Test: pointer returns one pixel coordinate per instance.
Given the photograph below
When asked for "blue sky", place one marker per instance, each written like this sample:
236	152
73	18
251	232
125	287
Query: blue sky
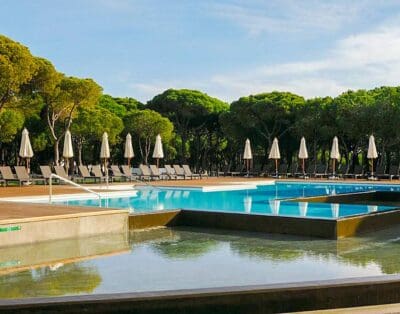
226	48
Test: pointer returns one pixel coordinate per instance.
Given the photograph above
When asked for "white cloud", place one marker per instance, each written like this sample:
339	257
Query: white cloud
363	60
358	61
287	15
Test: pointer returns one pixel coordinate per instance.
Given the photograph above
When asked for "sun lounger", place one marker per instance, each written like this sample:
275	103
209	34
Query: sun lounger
380	173
7	175
180	172
188	173
60	171
46	173
321	171
342	171
171	173
23	175
358	172
146	174
116	172
155	172
307	173
394	172
127	172
282	170
96	170
85	174
293	170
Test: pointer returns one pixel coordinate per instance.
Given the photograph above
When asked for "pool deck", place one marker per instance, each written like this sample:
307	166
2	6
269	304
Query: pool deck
21	212
374	309
35	190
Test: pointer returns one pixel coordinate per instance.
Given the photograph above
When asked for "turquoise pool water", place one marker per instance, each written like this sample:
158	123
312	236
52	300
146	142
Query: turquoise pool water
264	199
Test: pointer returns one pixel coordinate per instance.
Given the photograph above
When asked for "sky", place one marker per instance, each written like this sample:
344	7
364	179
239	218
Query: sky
225	48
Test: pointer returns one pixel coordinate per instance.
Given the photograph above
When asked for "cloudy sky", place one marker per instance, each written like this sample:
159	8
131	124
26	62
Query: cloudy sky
226	48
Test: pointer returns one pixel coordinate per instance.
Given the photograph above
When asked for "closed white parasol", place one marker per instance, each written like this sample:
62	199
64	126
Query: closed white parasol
275	154
247	155
105	153
128	152
372	153
68	151
158	152
25	150
303	153
335	154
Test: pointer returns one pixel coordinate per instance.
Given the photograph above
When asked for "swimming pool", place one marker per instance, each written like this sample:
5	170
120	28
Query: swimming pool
271	199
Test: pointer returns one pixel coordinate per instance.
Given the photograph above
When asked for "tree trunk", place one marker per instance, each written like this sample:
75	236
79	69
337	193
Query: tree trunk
80	146
56	152
184	138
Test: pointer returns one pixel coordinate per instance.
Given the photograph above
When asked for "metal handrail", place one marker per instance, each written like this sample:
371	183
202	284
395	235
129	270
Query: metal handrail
55	176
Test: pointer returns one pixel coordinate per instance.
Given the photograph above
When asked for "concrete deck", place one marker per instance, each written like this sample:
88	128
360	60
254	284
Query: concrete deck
22	212
375	309
64	189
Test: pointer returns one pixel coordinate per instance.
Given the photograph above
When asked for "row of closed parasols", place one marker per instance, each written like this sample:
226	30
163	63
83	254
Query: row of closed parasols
303	153
26	151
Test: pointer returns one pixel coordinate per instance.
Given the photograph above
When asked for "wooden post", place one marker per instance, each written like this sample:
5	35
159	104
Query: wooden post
372	167
66	164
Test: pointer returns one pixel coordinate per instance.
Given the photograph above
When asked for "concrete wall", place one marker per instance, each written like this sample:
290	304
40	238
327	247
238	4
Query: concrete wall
259	223
59	227
245	299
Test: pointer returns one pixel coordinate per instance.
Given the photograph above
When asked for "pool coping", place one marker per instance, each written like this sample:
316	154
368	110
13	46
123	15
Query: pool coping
65	197
268	298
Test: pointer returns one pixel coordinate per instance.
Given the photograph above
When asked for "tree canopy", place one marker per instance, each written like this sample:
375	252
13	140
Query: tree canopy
144	126
196	128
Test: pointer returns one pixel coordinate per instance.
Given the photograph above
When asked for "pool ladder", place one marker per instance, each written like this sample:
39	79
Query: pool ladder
55	176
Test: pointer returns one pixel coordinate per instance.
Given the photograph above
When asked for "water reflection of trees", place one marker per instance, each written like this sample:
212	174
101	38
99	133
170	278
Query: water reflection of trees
185	248
257	248
67	279
382	249
177	243
386	255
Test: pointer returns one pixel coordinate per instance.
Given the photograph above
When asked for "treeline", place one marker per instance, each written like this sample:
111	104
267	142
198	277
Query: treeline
203	131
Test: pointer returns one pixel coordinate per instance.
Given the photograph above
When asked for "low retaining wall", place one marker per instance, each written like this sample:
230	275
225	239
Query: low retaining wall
243	299
322	228
313	227
23	231
370	198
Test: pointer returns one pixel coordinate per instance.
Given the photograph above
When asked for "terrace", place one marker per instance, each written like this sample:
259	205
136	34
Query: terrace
97	236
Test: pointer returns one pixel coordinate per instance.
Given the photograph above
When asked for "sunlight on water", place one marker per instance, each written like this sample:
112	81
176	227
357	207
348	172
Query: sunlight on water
267	200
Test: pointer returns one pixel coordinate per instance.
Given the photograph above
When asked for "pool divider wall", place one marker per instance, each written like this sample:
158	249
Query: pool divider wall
277	298
153	219
235	221
258	223
370	198
353	226
321	228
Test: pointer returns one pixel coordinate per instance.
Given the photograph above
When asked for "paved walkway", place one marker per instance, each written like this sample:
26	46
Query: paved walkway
65	189
375	309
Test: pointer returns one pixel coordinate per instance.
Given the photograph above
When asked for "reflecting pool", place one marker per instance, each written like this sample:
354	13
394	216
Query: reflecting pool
182	258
